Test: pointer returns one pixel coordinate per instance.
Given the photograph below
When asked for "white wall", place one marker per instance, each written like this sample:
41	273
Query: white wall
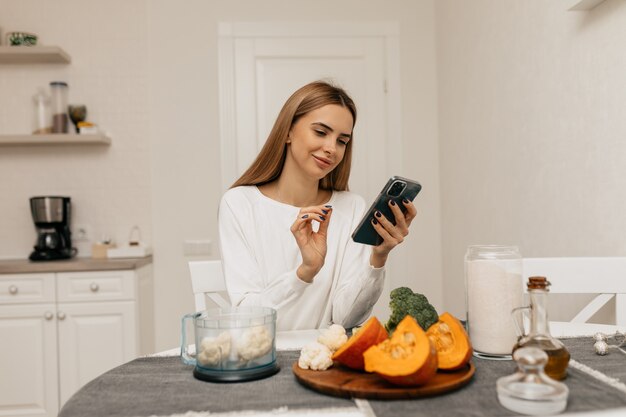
147	71
532	100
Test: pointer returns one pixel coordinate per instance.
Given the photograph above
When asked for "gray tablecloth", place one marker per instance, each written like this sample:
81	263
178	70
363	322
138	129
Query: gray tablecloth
613	365
165	386
162	386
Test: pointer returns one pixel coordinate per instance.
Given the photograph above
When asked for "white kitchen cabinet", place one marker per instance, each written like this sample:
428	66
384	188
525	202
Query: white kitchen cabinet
60	330
28	360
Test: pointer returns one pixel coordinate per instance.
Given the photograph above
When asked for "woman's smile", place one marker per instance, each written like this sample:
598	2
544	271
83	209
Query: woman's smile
322	162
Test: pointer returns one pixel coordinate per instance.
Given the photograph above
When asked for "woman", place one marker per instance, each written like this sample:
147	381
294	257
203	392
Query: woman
285	225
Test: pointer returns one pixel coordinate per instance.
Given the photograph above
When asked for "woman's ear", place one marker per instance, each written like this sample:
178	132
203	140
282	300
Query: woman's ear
288	138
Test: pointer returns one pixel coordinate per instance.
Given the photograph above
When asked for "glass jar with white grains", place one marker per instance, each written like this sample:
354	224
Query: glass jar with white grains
493	288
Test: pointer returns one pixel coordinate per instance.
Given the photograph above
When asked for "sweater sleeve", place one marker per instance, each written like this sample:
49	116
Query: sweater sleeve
360	284
245	282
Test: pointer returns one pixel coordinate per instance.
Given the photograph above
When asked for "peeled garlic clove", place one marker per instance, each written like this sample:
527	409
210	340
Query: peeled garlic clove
601	347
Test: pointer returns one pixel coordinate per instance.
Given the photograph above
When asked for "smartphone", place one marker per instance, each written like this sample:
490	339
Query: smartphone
396	189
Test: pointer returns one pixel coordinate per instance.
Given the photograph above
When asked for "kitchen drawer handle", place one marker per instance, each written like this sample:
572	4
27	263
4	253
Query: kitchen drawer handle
94	287
48	315
61	315
13	289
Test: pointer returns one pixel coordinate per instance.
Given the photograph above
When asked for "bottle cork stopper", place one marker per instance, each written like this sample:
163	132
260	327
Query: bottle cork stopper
538	283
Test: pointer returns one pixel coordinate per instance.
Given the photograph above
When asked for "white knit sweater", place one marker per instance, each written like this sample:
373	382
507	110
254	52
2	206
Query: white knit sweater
260	257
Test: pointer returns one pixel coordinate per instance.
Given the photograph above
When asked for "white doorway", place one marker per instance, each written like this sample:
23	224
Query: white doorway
261	64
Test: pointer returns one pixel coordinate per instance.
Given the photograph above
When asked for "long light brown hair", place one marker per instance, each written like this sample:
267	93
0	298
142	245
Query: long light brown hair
270	161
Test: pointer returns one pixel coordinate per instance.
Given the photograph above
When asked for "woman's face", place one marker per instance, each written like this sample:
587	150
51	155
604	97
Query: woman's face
318	140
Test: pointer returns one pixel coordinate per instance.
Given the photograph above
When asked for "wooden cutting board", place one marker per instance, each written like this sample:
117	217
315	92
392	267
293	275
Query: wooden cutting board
340	381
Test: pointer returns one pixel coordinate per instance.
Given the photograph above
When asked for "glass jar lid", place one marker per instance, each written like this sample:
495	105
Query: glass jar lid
529	390
493	252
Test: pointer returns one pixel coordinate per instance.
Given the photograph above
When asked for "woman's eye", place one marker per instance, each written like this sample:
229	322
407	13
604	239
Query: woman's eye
320	133
342	141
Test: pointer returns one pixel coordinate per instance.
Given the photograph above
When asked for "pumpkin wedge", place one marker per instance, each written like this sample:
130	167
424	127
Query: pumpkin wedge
350	353
454	349
408	358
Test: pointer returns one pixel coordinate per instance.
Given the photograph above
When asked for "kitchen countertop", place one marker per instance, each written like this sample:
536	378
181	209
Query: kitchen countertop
24	266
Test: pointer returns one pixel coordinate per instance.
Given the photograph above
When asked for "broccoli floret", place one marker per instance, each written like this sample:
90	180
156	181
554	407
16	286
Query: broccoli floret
405	302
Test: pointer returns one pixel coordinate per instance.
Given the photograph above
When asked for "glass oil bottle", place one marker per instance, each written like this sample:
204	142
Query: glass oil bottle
539	332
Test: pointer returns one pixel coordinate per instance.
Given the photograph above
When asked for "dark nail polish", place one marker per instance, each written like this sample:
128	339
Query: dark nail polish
322	217
325	211
378	214
393	203
329	206
374	221
405	201
306	216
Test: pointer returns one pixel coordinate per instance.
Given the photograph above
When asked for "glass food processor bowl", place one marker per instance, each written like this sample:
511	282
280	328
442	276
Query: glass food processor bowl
232	344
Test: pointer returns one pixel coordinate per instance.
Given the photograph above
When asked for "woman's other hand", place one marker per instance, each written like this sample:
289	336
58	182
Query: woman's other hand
312	244
392	235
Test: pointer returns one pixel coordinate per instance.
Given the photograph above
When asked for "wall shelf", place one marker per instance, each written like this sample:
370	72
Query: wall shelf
33	55
55	140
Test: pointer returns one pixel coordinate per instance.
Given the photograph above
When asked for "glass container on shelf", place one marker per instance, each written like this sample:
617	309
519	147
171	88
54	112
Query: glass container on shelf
538	334
60	118
42	119
494	287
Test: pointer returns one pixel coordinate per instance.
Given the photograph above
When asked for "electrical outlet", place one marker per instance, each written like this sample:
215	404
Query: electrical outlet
82	232
197	247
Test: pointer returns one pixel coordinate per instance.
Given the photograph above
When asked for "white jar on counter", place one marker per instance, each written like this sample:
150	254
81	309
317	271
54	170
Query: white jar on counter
493	288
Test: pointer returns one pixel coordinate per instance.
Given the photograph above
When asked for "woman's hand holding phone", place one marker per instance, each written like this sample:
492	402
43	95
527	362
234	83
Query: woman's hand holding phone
312	244
392	234
386	223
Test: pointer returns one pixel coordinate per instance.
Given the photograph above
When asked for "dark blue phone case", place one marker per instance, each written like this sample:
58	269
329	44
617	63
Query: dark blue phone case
365	232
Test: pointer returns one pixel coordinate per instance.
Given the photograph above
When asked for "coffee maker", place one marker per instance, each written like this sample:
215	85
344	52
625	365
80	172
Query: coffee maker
52	221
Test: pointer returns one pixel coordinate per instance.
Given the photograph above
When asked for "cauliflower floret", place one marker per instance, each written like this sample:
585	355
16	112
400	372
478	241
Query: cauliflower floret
315	356
333	337
213	350
254	343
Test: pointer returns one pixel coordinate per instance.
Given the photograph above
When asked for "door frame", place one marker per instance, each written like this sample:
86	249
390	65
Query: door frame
229	32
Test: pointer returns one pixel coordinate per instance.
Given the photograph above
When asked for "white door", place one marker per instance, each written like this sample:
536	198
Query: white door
93	338
28	361
269	70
